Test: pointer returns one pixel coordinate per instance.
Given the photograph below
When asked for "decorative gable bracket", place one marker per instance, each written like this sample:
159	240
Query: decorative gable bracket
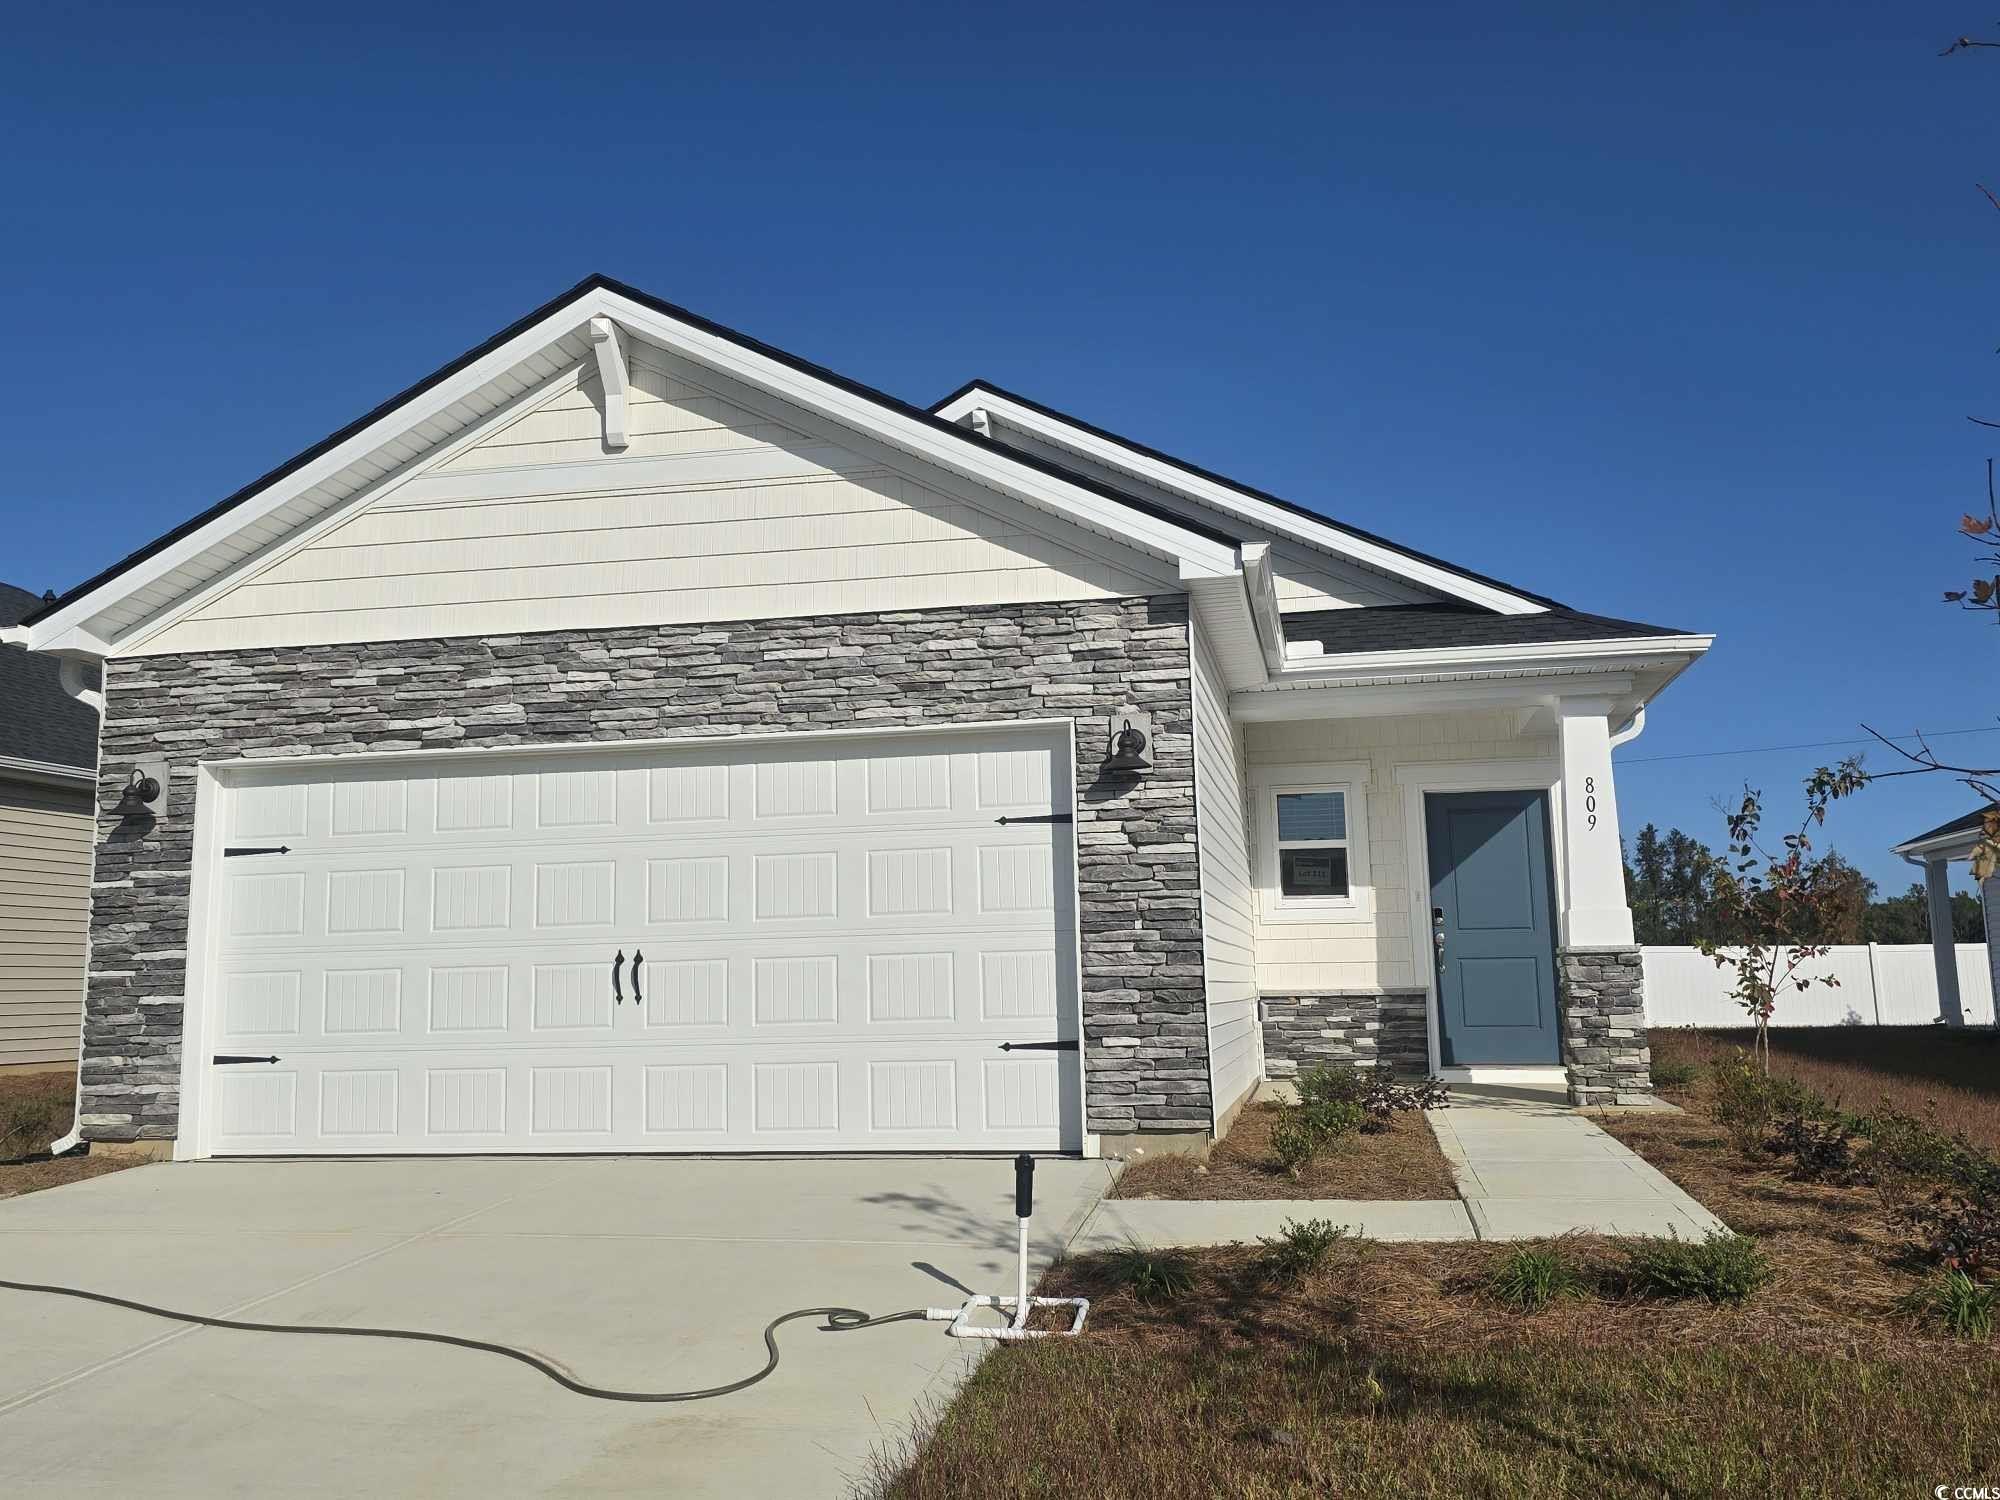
612	376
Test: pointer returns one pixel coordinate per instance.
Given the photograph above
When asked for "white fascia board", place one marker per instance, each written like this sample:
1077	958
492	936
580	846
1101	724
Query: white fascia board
1387	699
440	398
997	469
46	771
1548	656
1946	846
1327	536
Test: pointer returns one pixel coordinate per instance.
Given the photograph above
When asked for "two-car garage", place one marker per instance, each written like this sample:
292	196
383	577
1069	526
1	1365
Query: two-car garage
840	942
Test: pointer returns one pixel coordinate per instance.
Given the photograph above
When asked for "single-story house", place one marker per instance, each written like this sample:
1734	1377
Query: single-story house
48	767
633	737
1936	851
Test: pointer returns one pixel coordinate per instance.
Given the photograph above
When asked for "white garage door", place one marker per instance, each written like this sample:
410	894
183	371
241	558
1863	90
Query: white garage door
801	945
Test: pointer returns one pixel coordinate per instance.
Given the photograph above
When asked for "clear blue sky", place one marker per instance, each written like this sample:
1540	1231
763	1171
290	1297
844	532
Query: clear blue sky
1672	313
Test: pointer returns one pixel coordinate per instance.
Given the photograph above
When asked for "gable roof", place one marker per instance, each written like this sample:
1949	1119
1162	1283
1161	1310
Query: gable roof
421	428
39	721
1306	524
1414	627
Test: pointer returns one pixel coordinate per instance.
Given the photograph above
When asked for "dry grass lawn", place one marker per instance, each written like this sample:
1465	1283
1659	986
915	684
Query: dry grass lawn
1393	1372
1948	1077
36	1108
1402	1162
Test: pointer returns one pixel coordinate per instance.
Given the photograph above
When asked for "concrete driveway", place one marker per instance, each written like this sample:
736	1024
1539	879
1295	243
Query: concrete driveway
645	1274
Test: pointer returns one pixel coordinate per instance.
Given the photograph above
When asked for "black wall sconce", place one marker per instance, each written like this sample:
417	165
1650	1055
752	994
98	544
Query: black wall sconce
140	793
1129	742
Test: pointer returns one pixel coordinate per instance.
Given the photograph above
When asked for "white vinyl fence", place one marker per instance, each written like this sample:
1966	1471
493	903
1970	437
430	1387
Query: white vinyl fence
1881	984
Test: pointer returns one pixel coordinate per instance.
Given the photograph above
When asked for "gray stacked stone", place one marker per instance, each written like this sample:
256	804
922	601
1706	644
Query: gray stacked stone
1603	1006
1145	1032
1362	1028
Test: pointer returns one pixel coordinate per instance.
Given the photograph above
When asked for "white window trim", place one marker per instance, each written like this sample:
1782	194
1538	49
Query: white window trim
1347	777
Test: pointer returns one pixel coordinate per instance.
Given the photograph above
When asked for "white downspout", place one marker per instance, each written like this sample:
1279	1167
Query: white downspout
76	682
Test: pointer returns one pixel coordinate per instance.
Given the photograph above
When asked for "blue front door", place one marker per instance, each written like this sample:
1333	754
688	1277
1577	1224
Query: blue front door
1493	939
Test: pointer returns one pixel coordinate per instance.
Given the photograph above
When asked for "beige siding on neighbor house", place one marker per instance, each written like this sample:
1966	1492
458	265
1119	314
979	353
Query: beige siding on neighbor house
1293	957
45	837
715	512
1228	941
1307	578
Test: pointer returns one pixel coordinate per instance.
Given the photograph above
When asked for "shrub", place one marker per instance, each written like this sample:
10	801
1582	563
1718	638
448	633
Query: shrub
1820	1150
1904	1146
1531	1277
1675	1075
1293	1141
32	1115
1331	1083
1724	1267
1960	1304
1152	1275
1957	1228
1376	1093
1748	1101
1326	1111
1300	1249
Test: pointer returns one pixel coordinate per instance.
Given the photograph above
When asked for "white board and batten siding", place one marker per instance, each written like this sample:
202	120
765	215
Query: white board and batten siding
1228	905
45	859
716	511
1883	984
837	937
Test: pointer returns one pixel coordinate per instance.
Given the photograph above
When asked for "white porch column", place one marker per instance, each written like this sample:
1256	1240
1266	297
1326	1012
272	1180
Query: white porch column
1594	913
1944	948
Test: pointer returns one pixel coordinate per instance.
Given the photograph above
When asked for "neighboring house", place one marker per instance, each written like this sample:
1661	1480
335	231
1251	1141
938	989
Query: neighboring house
633	737
1937	851
48	769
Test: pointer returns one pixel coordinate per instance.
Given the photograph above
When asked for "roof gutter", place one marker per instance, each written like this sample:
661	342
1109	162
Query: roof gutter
1370	666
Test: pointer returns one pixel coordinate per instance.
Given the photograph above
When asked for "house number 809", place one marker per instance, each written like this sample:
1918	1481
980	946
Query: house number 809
1590	801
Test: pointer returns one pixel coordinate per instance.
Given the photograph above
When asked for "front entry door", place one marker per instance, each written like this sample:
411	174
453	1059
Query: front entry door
1492	933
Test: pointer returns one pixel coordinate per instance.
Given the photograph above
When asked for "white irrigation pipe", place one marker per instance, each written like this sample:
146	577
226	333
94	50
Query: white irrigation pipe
1022	1305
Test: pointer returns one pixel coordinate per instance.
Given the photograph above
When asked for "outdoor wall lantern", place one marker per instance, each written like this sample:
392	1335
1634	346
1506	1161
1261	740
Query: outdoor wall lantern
1128	746
141	791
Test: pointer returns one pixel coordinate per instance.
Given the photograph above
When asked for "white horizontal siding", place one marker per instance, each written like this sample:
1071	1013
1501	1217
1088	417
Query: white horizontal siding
44	913
1293	957
1228	911
1306	577
725	514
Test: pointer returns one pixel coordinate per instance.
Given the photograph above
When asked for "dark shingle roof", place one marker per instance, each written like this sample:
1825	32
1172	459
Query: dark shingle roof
1416	627
38	720
1963	824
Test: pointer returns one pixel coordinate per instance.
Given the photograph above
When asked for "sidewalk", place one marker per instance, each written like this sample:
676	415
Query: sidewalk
1527	1165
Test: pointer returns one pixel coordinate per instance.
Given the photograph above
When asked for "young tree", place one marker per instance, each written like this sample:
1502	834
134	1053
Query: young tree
1781	903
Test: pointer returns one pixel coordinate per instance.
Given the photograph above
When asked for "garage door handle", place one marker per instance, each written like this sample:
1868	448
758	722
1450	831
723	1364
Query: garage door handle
1069	1046
638	959
617	963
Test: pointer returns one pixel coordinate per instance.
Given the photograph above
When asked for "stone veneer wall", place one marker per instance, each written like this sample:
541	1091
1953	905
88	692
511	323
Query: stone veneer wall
1145	1032
1603	1002
1364	1028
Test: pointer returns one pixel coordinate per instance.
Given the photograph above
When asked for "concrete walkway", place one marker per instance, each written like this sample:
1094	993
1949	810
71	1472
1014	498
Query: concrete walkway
1527	1165
1530	1166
